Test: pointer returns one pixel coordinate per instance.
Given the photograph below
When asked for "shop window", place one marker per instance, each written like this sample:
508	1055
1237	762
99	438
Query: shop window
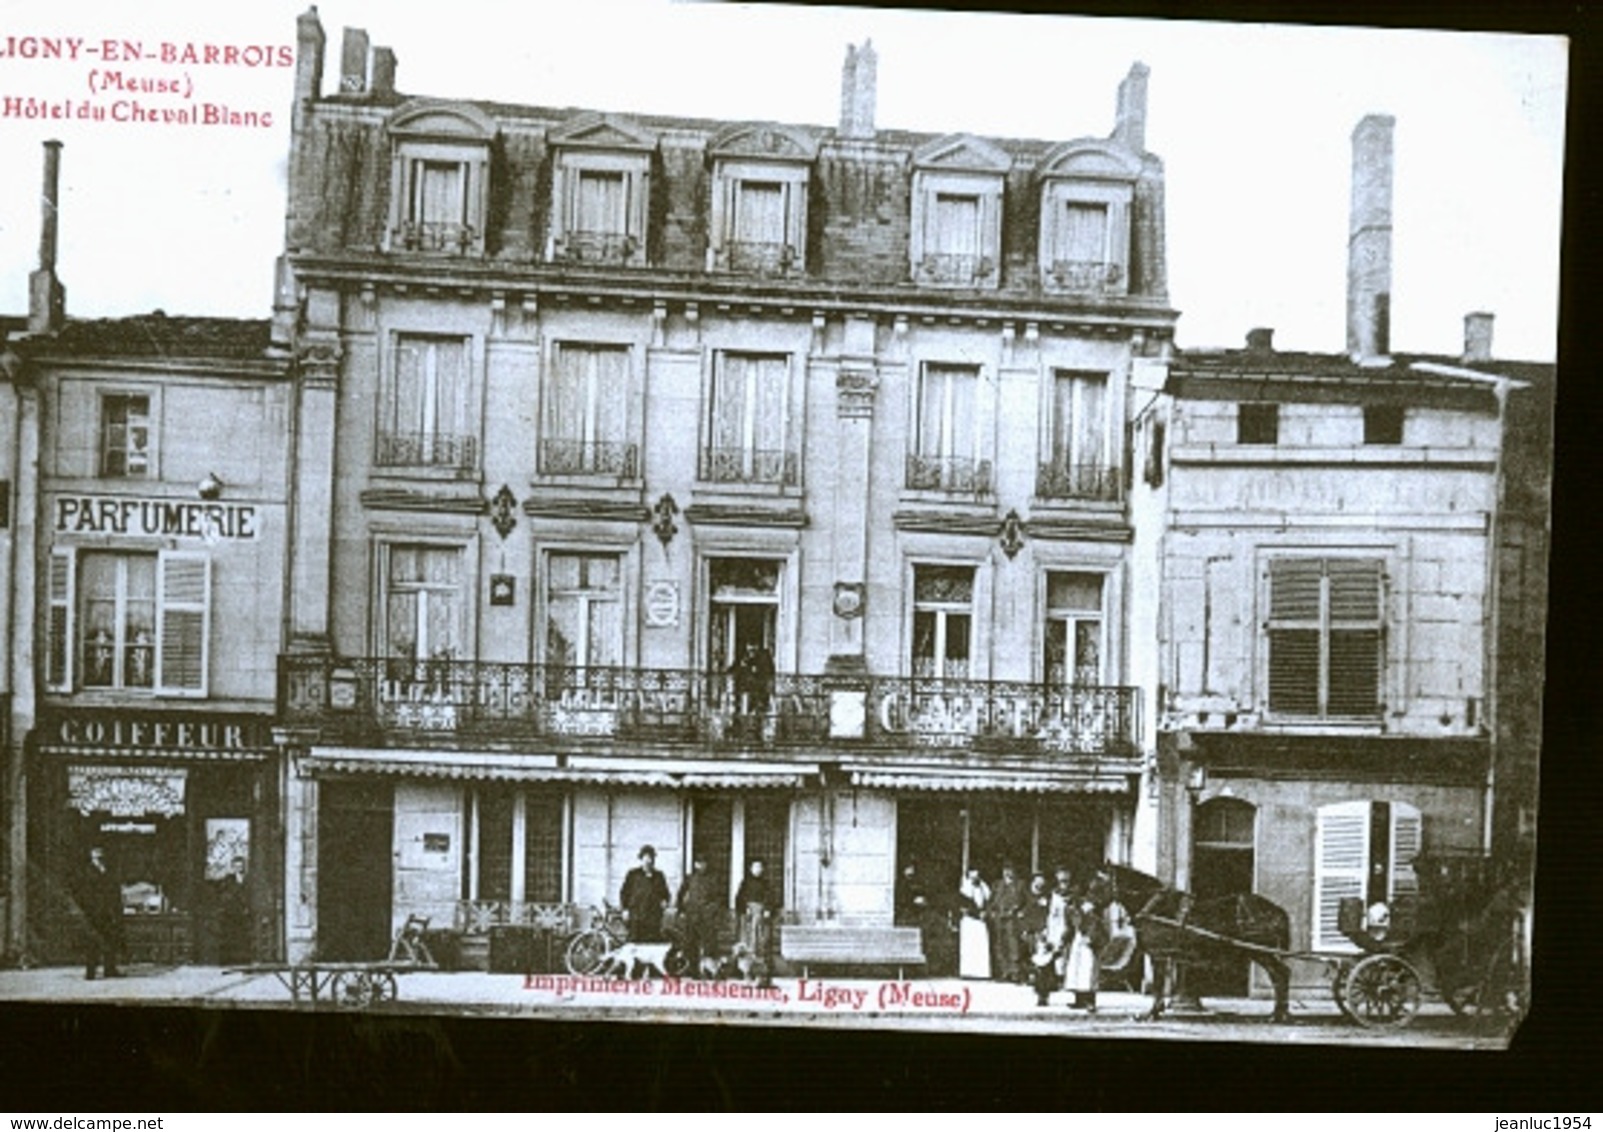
943	622
1365	851
1074	626
747	426
1078	461
125	436
424	418
1257	422
945	441
1325	637
587	413
138	622
583	611
422	603
1383	424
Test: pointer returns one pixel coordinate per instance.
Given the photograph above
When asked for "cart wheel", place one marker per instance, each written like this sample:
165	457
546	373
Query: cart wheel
585	952
353	990
384	988
1382	990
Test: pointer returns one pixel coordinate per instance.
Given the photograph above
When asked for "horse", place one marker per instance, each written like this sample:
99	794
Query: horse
1175	927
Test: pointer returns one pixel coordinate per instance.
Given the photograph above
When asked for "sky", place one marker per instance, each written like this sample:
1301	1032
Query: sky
1253	123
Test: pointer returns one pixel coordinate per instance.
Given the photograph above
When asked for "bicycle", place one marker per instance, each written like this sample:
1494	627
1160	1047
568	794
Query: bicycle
589	952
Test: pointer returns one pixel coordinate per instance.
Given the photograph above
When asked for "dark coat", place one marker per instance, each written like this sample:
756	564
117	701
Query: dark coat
100	896
644	897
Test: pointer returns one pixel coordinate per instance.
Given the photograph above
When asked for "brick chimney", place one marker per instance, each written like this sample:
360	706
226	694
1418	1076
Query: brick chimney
1130	118
383	81
47	298
353	62
1369	240
309	46
857	87
1261	340
1478	336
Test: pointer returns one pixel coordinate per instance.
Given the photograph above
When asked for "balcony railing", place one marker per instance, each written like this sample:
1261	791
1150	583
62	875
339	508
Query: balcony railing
427	450
435	236
1092	276
1078	481
760	257
596	247
377	700
748	465
946	267
957	474
589	458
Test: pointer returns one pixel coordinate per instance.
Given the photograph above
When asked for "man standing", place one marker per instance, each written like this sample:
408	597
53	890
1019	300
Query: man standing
1007	905
233	915
100	899
756	902
645	898
701	908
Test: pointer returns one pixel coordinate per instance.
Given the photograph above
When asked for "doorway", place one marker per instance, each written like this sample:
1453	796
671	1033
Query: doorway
355	869
1223	863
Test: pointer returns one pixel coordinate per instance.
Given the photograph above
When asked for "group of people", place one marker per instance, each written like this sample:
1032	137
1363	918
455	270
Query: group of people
701	909
1050	937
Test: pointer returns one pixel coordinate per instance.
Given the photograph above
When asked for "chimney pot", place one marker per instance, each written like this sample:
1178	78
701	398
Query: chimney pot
1478	336
353	61
1261	340
857	91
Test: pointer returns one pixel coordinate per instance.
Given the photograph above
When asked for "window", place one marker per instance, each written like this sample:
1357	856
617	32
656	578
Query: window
747	426
1078	463
1325	637
1257	423
587	409
1383	424
600	208
584	611
125	436
1364	851
945	433
129	621
423	423
743	610
958	244
943	621
759	222
1086	238
423	603
518	837
955	227
439	181
1073	629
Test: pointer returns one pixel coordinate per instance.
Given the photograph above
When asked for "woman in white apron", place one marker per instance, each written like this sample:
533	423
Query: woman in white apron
973	934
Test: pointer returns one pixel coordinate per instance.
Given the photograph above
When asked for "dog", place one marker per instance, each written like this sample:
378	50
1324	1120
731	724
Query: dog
628	960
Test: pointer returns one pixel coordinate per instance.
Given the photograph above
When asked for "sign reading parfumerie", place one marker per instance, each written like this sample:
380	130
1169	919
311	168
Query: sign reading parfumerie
170	518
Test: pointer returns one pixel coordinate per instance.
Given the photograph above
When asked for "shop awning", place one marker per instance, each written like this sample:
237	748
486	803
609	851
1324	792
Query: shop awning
1015	782
499	766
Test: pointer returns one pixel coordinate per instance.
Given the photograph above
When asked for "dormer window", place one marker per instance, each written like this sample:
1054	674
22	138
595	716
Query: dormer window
439	185
956	228
759	200
1086	193
600	188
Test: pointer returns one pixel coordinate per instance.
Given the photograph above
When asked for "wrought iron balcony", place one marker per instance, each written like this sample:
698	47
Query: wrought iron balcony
1078	481
596	247
401	701
956	474
945	267
759	257
1092	276
748	465
435	236
427	450
589	458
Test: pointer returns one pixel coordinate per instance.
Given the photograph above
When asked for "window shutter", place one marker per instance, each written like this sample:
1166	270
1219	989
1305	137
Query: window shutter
1406	840
58	666
1355	637
183	617
1341	867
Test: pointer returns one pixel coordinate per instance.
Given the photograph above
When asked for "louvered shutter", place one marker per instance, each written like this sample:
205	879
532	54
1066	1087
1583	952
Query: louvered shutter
1341	867
1294	605
59	629
183	616
1406	841
1355	637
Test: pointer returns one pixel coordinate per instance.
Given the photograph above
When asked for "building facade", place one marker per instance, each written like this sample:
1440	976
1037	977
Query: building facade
749	490
144	607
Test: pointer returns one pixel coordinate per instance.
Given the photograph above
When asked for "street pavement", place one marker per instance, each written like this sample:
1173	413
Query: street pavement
855	1003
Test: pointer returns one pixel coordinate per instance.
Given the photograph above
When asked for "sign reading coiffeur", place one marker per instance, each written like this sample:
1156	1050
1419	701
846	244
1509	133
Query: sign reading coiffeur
170	518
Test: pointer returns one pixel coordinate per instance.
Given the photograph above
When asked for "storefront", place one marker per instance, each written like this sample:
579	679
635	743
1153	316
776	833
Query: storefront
185	806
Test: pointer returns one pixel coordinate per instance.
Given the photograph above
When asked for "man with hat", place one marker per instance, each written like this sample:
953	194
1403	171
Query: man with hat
645	898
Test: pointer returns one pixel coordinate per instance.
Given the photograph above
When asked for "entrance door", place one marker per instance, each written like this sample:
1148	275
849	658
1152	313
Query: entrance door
355	869
1222	864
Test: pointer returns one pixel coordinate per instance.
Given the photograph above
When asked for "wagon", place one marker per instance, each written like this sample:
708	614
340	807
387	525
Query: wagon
352	985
